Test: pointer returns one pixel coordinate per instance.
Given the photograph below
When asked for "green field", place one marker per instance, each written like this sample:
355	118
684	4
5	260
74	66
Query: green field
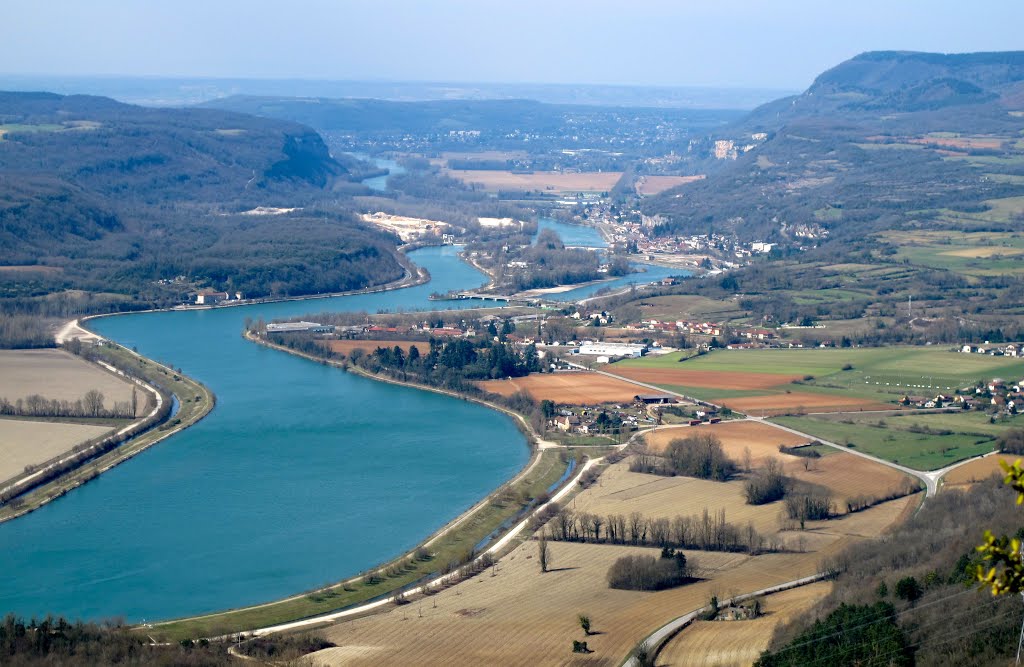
894	440
917	365
11	128
882	374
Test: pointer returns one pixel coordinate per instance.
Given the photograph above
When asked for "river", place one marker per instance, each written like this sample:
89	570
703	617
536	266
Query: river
301	475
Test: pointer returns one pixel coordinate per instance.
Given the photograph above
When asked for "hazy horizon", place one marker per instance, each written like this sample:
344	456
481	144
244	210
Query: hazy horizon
730	44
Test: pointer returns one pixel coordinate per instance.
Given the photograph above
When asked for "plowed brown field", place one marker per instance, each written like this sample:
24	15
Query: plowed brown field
705	379
550	181
776	404
977	470
763	439
845	474
569	388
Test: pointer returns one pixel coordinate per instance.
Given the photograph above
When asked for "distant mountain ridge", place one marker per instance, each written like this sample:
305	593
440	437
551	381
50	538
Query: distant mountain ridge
826	149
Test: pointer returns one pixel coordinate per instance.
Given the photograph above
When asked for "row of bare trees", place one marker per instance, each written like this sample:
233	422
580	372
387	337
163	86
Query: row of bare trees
92	404
705	531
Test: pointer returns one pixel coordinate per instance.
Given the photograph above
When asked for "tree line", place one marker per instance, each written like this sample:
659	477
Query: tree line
92	404
705	531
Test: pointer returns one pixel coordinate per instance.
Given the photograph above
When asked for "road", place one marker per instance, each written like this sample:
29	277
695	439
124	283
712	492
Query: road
657	639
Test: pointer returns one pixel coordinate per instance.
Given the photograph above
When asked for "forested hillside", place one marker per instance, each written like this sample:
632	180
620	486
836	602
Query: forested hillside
882	141
151	204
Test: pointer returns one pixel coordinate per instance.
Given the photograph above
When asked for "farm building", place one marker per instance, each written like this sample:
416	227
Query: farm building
613	349
209	297
299	327
654	399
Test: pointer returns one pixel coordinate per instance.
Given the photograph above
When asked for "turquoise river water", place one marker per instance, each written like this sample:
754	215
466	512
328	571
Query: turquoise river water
302	474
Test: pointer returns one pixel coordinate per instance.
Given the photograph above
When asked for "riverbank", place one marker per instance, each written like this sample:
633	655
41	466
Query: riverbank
414	275
454	545
194	402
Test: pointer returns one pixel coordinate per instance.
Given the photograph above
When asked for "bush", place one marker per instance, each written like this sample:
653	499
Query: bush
812	505
647	573
1012	441
700	456
767	485
908	589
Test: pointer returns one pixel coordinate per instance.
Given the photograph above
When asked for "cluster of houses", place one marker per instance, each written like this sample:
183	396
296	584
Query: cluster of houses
996	395
703	329
1009	350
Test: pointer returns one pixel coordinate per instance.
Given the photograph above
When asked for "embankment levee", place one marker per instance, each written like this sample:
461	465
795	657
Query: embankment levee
55	478
68	472
280	615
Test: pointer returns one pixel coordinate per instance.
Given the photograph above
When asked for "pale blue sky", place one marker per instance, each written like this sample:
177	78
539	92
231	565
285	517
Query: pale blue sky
731	43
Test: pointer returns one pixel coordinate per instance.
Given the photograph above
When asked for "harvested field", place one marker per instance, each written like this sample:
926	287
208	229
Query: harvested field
547	181
762	439
24	442
846	475
709	379
776	404
518	616
55	374
346	346
655	497
964	143
727	643
977	470
984	252
574	388
528	618
652	185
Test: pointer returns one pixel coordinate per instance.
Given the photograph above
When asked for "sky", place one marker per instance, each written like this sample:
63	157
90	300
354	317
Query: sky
780	44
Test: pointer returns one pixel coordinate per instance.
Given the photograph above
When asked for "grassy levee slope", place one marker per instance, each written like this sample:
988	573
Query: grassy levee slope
448	547
195	402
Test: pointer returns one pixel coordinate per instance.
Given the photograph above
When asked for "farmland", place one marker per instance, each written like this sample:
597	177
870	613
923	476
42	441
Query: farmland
514	609
873	376
902	441
567	388
24	442
977	470
721	643
968	253
55	374
543	181
846	475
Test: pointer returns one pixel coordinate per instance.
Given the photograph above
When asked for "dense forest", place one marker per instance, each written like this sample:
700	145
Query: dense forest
139	207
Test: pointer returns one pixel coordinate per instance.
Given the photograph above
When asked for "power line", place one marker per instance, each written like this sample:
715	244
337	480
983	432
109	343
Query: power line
864	625
944	619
